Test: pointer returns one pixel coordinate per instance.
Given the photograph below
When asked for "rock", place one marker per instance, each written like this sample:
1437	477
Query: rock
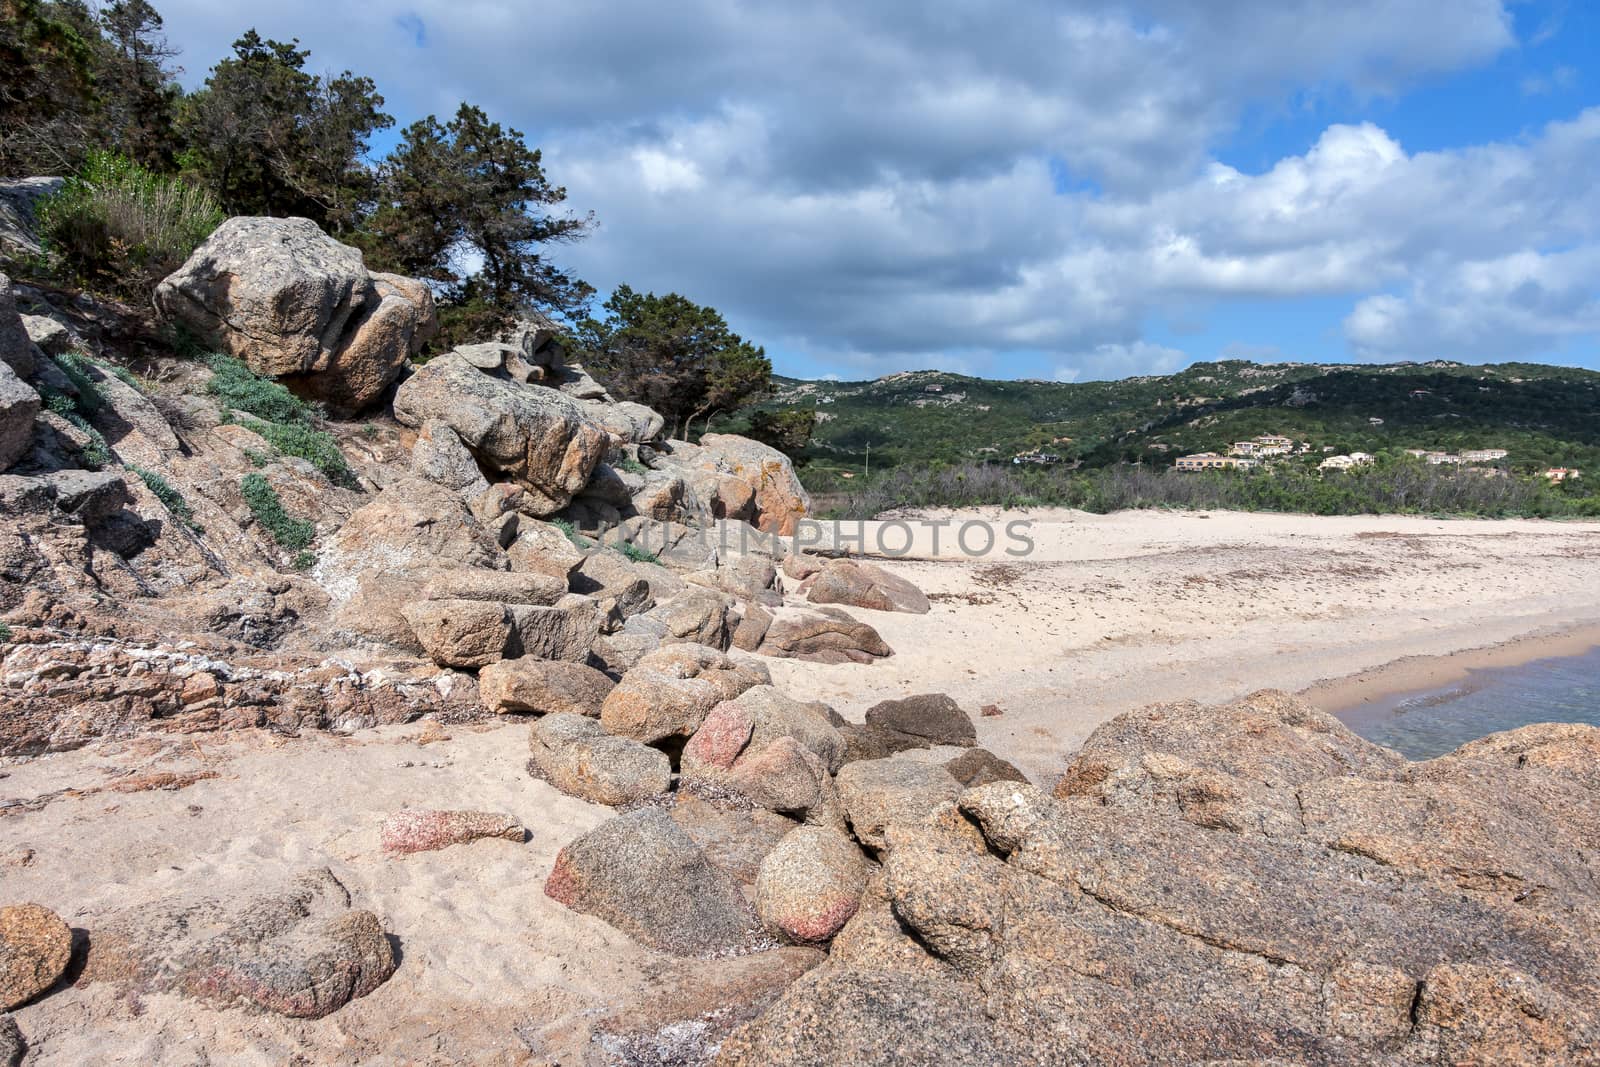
53	338
35	947
566	630
839	1015
544	686
862	585
293	303
16	346
373	564
19	406
505	587
669	691
18	224
931	718
877	794
788	778
420	830
461	633
673	544
441	458
537	436
643	874
541	548
299	951
662	498
89	496
684	1016
810	885
799	566
979	766
608	570
742	727
821	635
780	501
735	837
696	617
13	1048
574	753
627	422
752	628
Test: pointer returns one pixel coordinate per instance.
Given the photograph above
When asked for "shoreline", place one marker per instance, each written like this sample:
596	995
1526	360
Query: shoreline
1349	694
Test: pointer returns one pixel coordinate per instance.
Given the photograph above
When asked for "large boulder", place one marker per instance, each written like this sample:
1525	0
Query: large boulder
19	406
546	687
810	884
35	947
295	304
298	950
821	635
929	718
779	498
669	691
741	728
575	754
863	585
475	633
643	874
535	435
441	458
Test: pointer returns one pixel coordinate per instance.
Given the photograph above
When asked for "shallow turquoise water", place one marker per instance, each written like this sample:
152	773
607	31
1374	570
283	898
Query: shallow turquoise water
1425	724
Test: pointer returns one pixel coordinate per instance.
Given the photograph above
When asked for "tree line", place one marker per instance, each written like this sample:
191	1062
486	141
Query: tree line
462	202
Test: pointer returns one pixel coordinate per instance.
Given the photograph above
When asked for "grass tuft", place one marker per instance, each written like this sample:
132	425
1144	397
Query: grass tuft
290	533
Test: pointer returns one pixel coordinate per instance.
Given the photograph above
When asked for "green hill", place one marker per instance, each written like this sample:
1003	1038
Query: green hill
1543	415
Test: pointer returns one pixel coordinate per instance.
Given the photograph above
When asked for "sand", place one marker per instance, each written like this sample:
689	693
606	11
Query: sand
1112	612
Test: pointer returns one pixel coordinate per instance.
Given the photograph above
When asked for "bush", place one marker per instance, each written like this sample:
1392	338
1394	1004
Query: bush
315	446
168	495
239	388
76	370
95	454
290	533
124	227
5	632
637	554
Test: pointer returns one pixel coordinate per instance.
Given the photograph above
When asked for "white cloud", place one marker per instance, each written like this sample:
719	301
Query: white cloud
879	184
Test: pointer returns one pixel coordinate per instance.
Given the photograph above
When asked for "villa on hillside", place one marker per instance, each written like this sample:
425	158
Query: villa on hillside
1263	445
1562	474
1342	463
1210	461
1483	455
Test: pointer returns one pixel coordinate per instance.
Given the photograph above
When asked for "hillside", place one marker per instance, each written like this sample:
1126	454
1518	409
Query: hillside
1543	415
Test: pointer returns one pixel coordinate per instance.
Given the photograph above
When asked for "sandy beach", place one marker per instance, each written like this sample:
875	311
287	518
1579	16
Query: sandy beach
1113	612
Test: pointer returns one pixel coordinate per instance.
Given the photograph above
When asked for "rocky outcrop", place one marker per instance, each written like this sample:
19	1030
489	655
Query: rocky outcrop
300	951
777	499
35	947
423	830
862	585
17	349
1237	884
295	304
884	793
535	435
644	874
474	633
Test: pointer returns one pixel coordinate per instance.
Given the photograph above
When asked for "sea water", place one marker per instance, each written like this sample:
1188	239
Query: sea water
1429	723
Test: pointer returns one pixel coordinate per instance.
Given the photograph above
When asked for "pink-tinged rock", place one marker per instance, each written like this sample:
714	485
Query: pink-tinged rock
423	830
720	738
811	884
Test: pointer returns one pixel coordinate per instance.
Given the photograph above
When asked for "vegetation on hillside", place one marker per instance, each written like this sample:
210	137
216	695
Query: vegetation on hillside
674	355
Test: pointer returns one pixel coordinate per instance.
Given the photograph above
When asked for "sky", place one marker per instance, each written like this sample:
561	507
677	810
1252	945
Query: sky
1051	190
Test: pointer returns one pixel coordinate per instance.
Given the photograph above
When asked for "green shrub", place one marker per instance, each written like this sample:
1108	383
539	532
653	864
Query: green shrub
76	370
631	465
303	560
637	554
315	446
168	495
290	533
96	453
571	532
5	632
118	225
239	388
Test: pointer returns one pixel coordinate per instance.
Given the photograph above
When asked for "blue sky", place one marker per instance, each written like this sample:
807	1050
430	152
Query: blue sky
1031	188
